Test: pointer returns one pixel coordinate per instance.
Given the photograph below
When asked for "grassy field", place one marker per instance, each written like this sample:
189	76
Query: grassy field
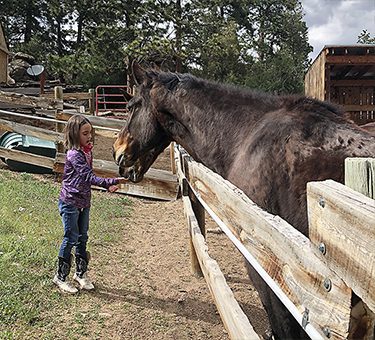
30	235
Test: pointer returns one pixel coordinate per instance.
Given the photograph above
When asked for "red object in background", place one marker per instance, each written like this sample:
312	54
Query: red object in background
42	80
102	102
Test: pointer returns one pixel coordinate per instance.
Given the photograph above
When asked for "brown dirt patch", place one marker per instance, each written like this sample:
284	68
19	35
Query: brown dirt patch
146	286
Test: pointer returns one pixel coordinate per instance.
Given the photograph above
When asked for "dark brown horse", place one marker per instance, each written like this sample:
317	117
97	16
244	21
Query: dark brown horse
268	146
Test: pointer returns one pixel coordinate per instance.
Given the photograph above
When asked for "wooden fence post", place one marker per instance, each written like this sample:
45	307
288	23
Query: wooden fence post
59	109
199	214
171	153
92	101
360	176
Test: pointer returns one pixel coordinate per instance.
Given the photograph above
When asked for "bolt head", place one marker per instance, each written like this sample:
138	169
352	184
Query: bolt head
322	248
327	332
327	284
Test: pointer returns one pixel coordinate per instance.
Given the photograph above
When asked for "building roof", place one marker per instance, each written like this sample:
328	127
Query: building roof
357	49
348	61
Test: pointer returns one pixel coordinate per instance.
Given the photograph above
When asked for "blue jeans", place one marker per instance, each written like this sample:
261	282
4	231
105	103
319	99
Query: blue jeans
76	226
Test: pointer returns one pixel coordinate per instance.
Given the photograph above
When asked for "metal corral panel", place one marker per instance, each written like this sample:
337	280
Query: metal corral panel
11	140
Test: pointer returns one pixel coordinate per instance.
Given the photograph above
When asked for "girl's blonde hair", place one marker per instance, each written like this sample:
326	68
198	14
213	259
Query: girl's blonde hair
71	132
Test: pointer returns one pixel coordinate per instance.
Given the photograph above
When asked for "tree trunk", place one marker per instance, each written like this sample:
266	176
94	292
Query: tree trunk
178	36
29	21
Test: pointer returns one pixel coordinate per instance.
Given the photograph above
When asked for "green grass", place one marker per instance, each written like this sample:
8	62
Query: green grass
30	236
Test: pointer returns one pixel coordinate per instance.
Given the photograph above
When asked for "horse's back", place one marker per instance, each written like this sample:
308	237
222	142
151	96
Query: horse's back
285	150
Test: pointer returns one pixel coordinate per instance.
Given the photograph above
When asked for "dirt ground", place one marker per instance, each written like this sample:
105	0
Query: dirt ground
158	242
164	299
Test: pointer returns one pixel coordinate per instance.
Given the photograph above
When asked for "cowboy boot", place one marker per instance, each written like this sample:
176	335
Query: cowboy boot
60	278
81	273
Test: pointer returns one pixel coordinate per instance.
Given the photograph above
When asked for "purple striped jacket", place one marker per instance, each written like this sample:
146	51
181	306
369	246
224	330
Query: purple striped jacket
78	178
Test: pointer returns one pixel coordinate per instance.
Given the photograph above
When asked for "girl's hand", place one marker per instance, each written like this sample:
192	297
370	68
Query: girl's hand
113	188
122	180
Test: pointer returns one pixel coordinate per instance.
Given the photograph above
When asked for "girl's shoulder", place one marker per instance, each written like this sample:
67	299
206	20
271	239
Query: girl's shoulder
74	153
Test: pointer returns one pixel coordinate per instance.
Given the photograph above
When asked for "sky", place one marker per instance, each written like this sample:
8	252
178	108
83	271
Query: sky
337	22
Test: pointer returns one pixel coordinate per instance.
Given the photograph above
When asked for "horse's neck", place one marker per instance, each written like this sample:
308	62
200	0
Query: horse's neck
209	139
212	121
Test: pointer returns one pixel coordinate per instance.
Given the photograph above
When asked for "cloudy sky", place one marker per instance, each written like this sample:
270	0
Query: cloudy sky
337	22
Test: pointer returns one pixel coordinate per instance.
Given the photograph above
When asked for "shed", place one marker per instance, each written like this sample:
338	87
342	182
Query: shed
345	75
4	54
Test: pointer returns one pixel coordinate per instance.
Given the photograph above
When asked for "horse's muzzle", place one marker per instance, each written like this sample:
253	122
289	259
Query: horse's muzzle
131	174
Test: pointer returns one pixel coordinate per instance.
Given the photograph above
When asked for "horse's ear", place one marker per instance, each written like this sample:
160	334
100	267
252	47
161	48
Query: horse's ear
139	74
126	94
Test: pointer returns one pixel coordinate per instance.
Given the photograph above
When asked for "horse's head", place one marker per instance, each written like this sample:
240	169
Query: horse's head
142	139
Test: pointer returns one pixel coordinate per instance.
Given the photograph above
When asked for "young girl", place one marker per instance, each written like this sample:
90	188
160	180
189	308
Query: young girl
74	202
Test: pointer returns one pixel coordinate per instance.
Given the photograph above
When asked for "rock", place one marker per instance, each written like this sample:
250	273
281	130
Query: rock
10	80
17	69
26	57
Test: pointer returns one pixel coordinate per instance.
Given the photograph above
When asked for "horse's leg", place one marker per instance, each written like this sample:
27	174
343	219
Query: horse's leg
283	324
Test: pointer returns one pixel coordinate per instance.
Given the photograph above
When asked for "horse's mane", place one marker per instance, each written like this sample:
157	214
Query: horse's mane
217	92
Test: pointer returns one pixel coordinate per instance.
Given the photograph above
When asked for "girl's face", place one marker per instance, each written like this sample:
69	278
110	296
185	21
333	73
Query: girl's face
85	134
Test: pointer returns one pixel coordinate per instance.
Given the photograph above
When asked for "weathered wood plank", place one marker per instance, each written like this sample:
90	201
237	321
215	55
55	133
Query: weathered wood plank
31	131
70	96
315	79
353	82
358	107
26	157
286	255
159	184
368	59
360	175
58	92
344	221
16	98
98	121
234	319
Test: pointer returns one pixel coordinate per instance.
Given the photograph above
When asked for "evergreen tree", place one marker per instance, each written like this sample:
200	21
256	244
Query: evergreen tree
258	43
365	38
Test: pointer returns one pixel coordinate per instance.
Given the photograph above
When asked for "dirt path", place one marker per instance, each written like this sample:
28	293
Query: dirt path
144	284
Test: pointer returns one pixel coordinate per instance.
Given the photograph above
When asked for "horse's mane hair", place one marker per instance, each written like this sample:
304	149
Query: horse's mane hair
297	102
189	83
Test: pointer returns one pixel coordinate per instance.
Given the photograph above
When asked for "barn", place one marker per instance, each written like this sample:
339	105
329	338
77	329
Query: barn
345	75
4	54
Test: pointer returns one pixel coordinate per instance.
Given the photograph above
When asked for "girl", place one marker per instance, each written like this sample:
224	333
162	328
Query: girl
74	202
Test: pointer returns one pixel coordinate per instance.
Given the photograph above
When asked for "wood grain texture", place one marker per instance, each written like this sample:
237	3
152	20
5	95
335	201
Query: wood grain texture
288	256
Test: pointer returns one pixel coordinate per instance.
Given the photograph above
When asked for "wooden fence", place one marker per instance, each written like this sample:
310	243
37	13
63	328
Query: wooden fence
159	184
314	277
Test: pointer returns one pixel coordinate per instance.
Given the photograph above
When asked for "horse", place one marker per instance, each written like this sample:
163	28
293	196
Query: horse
269	146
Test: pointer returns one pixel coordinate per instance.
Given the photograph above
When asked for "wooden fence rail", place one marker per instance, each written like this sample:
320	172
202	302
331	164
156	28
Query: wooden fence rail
293	261
21	99
159	184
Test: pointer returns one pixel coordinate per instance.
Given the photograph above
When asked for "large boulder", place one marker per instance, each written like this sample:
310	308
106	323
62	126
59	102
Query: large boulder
18	65
26	57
